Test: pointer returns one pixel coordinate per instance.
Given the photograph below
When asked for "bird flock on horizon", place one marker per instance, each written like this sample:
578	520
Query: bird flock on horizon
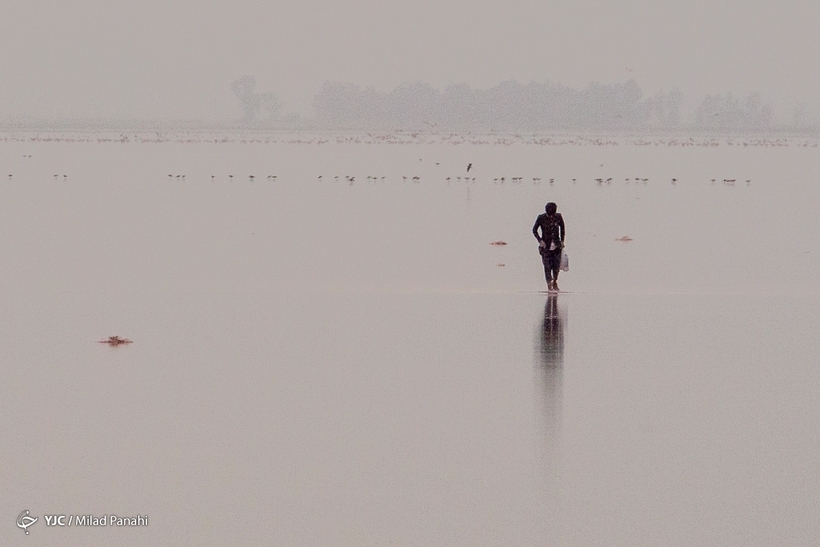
410	138
351	179
469	176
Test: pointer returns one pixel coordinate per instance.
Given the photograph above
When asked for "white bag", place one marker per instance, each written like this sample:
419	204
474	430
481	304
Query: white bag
564	262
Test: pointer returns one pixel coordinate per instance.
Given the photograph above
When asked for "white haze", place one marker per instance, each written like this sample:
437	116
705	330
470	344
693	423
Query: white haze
176	60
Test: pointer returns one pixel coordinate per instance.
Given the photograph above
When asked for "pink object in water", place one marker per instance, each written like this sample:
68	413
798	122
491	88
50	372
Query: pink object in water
115	341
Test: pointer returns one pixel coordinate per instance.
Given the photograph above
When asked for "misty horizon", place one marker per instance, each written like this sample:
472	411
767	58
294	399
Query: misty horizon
508	106
176	61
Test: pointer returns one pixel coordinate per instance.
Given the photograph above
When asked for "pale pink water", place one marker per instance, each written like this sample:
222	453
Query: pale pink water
320	363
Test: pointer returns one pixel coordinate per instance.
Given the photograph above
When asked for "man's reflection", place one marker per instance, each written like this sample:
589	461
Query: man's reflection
550	368
552	335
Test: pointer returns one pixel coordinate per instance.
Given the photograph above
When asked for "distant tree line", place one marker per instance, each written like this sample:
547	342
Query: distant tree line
728	111
509	106
257	107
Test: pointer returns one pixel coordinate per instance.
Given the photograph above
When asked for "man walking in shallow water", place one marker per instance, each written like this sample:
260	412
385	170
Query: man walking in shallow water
550	243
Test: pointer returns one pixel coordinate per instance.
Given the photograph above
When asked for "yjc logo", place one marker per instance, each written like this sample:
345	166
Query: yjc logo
24	520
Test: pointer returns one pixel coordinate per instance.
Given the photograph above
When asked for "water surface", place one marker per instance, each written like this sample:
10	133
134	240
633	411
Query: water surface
346	362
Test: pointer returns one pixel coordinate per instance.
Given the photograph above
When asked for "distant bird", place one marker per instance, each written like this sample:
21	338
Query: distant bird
251	177
469	165
230	177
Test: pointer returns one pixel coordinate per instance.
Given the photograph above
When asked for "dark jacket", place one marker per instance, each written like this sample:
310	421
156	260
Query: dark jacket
552	229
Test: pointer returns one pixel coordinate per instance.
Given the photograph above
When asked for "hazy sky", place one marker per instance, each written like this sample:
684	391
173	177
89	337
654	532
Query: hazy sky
177	58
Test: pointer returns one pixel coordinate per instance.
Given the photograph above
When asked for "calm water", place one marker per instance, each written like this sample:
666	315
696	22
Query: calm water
317	362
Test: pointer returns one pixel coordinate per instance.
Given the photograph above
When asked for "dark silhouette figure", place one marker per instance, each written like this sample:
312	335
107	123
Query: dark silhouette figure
550	242
469	165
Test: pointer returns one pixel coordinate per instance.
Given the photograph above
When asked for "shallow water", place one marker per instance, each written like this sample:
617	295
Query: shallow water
317	362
